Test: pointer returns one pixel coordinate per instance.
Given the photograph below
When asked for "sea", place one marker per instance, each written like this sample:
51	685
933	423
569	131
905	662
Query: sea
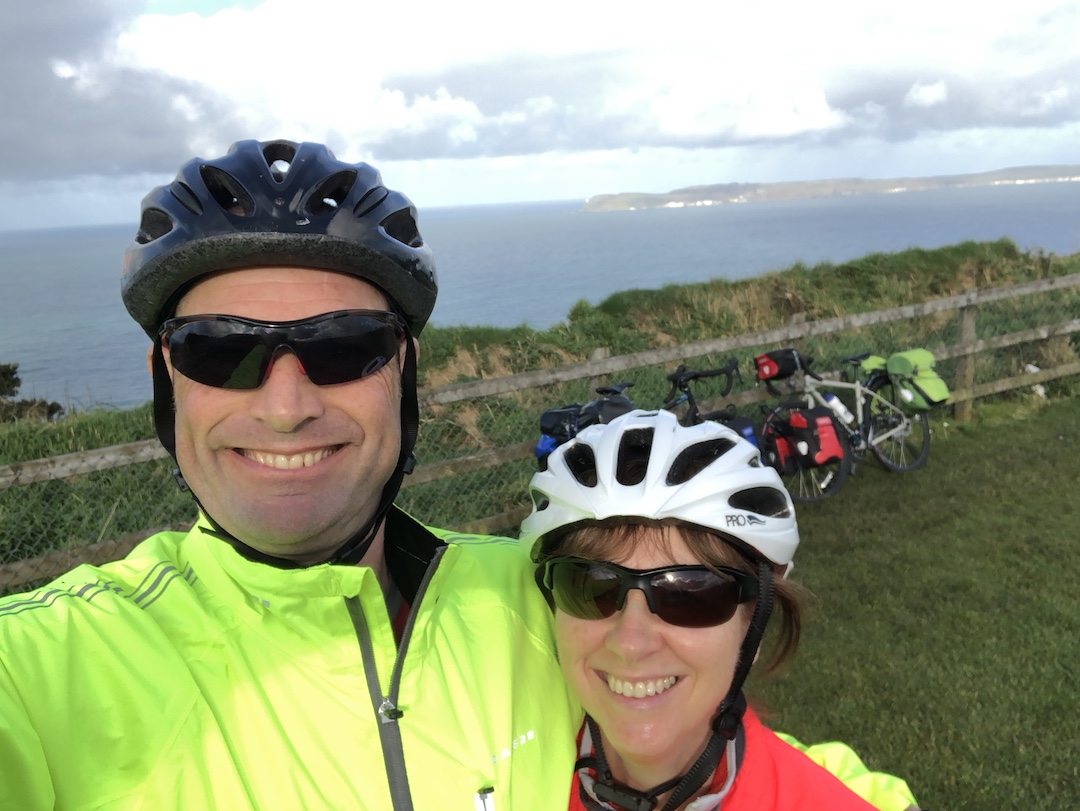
62	321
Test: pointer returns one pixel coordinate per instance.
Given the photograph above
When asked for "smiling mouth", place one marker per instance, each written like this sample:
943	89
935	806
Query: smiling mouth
281	461
640	689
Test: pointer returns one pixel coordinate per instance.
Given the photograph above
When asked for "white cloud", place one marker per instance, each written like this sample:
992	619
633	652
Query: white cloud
926	95
694	72
1046	101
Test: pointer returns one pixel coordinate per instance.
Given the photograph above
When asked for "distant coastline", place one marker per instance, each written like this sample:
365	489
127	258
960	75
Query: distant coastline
733	193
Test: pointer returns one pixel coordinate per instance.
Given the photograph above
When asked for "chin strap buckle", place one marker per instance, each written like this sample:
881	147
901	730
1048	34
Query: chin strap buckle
180	482
624	796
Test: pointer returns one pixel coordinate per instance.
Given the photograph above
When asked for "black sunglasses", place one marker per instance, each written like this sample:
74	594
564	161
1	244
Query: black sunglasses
229	352
688	596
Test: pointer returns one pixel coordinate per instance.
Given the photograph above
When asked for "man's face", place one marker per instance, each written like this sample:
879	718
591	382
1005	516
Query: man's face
290	468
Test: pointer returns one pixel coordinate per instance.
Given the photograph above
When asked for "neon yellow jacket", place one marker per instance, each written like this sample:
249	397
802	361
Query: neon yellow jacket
189	677
883	791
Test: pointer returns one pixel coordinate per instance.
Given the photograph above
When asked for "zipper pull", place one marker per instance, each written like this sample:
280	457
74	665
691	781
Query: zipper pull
388	713
483	801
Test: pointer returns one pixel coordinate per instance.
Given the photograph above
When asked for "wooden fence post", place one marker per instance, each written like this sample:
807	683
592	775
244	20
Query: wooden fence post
965	370
600	353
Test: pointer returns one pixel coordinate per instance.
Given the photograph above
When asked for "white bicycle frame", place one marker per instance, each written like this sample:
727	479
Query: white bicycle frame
863	397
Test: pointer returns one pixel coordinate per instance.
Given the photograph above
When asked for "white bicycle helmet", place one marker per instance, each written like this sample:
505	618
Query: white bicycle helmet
645	465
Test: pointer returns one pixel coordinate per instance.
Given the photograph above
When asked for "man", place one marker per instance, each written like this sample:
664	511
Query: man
306	645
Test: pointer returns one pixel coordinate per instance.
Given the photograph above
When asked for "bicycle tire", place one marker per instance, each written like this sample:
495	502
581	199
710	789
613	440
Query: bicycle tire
809	485
909	448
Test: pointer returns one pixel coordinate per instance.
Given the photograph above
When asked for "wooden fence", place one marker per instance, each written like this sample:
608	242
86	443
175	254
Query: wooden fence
963	387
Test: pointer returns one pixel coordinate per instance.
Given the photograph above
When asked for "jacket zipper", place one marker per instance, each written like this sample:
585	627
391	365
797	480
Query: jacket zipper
386	706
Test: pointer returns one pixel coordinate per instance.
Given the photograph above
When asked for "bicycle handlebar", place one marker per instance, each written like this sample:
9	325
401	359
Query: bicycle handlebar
805	362
682	376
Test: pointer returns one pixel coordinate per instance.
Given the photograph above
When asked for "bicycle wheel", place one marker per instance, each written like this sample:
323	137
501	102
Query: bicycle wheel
900	440
804	484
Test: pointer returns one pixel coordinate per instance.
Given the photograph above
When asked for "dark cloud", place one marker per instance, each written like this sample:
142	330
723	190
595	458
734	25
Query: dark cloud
880	106
124	122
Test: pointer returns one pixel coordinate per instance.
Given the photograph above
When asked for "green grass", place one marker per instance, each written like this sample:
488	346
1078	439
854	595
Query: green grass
944	639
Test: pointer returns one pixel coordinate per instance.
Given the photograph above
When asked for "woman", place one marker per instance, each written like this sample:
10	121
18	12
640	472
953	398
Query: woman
663	550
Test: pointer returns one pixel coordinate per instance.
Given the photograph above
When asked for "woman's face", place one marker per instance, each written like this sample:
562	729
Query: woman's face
652	687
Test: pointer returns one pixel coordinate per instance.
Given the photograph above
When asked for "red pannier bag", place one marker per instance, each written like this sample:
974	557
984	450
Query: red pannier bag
777	365
815	437
777	448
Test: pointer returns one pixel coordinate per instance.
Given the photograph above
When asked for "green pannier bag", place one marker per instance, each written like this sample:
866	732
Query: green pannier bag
872	363
920	386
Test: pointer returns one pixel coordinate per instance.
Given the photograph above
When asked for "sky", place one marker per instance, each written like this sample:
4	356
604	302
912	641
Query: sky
489	101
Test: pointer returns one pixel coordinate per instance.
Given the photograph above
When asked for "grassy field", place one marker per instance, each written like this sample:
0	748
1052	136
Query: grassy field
944	639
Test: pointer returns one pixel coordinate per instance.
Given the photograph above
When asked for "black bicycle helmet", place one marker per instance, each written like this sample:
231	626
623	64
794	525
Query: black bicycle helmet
283	203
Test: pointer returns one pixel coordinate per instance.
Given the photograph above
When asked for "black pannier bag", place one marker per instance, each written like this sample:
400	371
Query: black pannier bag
777	449
560	425
745	427
777	365
814	436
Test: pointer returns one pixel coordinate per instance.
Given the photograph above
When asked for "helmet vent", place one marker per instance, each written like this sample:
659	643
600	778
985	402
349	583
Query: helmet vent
279	157
278	170
155	223
371	200
582	464
634	456
227	191
330	193
539	500
766	501
401	226
696	458
185	197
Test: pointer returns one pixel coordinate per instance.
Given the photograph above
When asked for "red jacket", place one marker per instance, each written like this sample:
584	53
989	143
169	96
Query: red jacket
773	776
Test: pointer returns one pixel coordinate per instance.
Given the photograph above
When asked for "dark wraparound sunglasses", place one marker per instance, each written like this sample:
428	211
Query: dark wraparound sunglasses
688	596
229	352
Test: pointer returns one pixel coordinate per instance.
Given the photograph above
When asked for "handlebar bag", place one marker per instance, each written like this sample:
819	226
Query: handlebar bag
814	436
777	365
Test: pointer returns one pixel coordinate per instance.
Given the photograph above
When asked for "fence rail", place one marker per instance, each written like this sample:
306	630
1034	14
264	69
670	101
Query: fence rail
962	347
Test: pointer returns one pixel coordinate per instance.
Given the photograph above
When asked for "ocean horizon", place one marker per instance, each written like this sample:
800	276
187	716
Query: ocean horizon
62	321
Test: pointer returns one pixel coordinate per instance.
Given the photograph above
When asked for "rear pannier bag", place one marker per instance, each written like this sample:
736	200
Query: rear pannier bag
777	450
561	423
777	365
814	437
920	387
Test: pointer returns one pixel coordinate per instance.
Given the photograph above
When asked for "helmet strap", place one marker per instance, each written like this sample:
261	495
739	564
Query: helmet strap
729	718
164	408
352	550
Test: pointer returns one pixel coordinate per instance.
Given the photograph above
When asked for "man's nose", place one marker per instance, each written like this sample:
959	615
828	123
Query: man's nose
287	398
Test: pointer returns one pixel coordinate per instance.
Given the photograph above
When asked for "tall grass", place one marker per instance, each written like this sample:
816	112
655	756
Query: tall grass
635	320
